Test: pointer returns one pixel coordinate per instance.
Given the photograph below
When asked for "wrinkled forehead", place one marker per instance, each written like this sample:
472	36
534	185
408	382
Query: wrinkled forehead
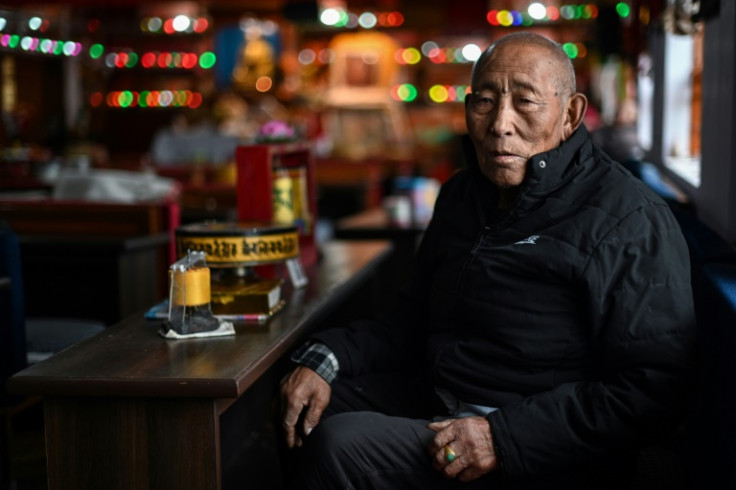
517	65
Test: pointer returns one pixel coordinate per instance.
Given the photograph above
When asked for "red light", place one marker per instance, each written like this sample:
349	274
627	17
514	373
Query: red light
437	55
189	60
399	56
553	13
395	19
395	93
492	17
148	60
162	60
201	25
121	59
196	100
169	26
112	99
96	99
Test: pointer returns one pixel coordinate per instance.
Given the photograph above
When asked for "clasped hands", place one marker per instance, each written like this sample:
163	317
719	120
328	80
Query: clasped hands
469	438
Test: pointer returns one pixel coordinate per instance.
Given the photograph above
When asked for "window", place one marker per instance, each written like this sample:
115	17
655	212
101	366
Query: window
681	122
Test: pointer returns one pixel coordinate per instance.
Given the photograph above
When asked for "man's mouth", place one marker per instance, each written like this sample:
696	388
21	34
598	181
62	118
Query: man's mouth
503	157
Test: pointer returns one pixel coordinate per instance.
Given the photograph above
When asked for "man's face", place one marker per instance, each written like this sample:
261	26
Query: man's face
515	111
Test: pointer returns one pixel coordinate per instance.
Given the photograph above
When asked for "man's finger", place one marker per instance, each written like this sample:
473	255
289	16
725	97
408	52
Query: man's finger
315	408
291	416
438	426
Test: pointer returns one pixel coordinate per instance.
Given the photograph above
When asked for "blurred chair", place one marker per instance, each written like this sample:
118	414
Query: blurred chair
24	341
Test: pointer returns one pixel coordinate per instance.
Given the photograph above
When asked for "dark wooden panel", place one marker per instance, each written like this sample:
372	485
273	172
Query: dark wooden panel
124	443
88	219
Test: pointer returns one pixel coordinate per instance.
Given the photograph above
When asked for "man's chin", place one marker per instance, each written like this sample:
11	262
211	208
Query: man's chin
505	179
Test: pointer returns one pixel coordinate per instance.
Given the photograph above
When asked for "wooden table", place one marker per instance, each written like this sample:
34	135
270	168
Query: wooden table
127	409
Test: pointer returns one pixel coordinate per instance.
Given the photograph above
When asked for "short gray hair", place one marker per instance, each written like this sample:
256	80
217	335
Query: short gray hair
566	80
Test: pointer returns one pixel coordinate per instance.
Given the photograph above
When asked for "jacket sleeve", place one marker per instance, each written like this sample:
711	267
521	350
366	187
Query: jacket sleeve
396	337
642	329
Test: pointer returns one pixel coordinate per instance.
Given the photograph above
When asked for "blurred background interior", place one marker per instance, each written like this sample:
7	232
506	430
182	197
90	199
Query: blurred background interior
377	87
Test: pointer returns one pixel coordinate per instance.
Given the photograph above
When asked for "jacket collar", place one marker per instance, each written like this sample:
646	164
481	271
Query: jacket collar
546	171
550	168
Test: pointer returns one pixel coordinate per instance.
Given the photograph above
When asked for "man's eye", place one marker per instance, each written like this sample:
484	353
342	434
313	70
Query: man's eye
482	103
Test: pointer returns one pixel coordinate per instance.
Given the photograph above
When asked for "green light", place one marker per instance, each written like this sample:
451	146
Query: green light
125	98
571	50
343	20
96	50
143	99
407	92
623	9
14	40
207	60
132	60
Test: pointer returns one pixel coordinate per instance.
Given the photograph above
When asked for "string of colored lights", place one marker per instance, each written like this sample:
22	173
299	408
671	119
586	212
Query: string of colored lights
125	99
339	17
154	59
537	12
180	24
32	44
126	59
438	93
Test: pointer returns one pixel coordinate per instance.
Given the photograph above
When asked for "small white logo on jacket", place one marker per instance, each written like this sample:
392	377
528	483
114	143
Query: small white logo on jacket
532	240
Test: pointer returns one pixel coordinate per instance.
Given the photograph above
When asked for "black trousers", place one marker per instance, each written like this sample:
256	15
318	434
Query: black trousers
374	435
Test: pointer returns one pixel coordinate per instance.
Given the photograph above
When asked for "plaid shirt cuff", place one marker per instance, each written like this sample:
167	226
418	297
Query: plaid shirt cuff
319	358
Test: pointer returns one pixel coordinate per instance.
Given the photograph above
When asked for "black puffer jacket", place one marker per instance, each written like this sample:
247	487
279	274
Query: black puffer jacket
572	312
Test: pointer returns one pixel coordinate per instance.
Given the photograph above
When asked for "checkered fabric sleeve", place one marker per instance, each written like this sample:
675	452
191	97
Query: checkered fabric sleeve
319	358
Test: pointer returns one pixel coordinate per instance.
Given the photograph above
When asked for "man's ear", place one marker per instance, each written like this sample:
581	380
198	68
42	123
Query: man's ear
574	114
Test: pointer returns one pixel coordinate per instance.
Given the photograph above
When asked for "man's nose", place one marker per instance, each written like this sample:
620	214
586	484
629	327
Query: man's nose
502	118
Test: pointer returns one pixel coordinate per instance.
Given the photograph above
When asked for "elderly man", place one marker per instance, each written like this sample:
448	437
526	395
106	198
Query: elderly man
546	333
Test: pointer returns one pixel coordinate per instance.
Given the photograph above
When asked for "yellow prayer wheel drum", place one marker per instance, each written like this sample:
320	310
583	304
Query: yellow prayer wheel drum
191	287
239	244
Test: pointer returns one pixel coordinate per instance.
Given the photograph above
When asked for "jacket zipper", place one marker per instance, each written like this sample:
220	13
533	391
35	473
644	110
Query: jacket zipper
471	256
